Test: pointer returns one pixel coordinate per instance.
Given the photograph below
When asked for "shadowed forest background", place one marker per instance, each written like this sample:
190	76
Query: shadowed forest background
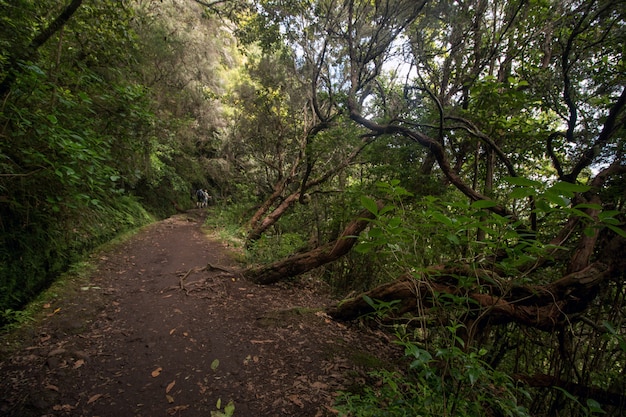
453	170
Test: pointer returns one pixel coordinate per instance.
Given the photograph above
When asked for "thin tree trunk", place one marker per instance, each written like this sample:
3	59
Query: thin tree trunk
271	218
488	189
275	215
279	187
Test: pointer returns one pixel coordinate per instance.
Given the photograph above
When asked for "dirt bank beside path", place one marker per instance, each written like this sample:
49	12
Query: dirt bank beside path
154	333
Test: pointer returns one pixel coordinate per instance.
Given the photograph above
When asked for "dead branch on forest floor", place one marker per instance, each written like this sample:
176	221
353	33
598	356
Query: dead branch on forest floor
208	267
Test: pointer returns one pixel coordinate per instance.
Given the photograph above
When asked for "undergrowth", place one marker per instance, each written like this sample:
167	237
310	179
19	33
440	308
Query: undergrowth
33	256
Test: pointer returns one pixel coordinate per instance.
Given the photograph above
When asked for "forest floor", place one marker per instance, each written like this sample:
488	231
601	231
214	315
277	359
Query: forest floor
152	331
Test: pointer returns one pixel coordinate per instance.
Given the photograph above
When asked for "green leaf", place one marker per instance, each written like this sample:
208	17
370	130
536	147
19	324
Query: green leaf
567	188
365	247
453	238
567	394
607	214
395	222
480	204
617	230
369	204
229	410
369	301
556	199
442	218
473	374
609	326
215	364
594	406
521	192
543	205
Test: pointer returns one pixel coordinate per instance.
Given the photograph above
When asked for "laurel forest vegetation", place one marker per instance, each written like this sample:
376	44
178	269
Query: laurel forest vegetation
453	170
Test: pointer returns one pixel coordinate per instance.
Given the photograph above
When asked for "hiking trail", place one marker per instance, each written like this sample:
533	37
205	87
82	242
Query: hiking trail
161	328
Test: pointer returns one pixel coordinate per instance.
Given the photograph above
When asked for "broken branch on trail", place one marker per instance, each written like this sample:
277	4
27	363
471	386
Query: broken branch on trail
303	262
208	267
543	307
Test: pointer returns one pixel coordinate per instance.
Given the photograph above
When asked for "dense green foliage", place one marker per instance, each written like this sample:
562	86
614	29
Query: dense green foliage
99	129
503	122
492	131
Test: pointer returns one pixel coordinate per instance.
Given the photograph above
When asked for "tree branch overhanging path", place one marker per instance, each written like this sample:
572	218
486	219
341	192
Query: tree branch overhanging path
468	101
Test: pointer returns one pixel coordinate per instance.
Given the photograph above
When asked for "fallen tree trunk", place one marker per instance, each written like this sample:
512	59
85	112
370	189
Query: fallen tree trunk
303	262
544	307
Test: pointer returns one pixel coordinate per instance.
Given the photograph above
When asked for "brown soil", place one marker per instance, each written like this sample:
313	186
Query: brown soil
155	332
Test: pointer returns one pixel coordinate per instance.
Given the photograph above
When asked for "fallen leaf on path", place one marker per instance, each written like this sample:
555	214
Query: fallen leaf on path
172	331
174	410
170	399
79	363
56	352
296	400
215	364
331	410
170	386
65	407
52	387
156	372
94	398
56	310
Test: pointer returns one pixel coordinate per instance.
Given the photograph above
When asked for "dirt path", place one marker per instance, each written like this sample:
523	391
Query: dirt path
138	340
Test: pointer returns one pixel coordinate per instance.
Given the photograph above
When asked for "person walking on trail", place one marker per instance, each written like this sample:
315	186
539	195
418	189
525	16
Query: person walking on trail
200	198
203	198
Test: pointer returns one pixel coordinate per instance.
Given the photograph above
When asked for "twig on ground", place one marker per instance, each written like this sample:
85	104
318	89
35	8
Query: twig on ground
208	267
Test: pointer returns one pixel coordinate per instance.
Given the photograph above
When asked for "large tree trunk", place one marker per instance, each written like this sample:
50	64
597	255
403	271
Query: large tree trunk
544	307
296	265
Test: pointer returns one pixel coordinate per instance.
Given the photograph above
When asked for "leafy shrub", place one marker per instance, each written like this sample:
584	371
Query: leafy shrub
270	248
444	381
